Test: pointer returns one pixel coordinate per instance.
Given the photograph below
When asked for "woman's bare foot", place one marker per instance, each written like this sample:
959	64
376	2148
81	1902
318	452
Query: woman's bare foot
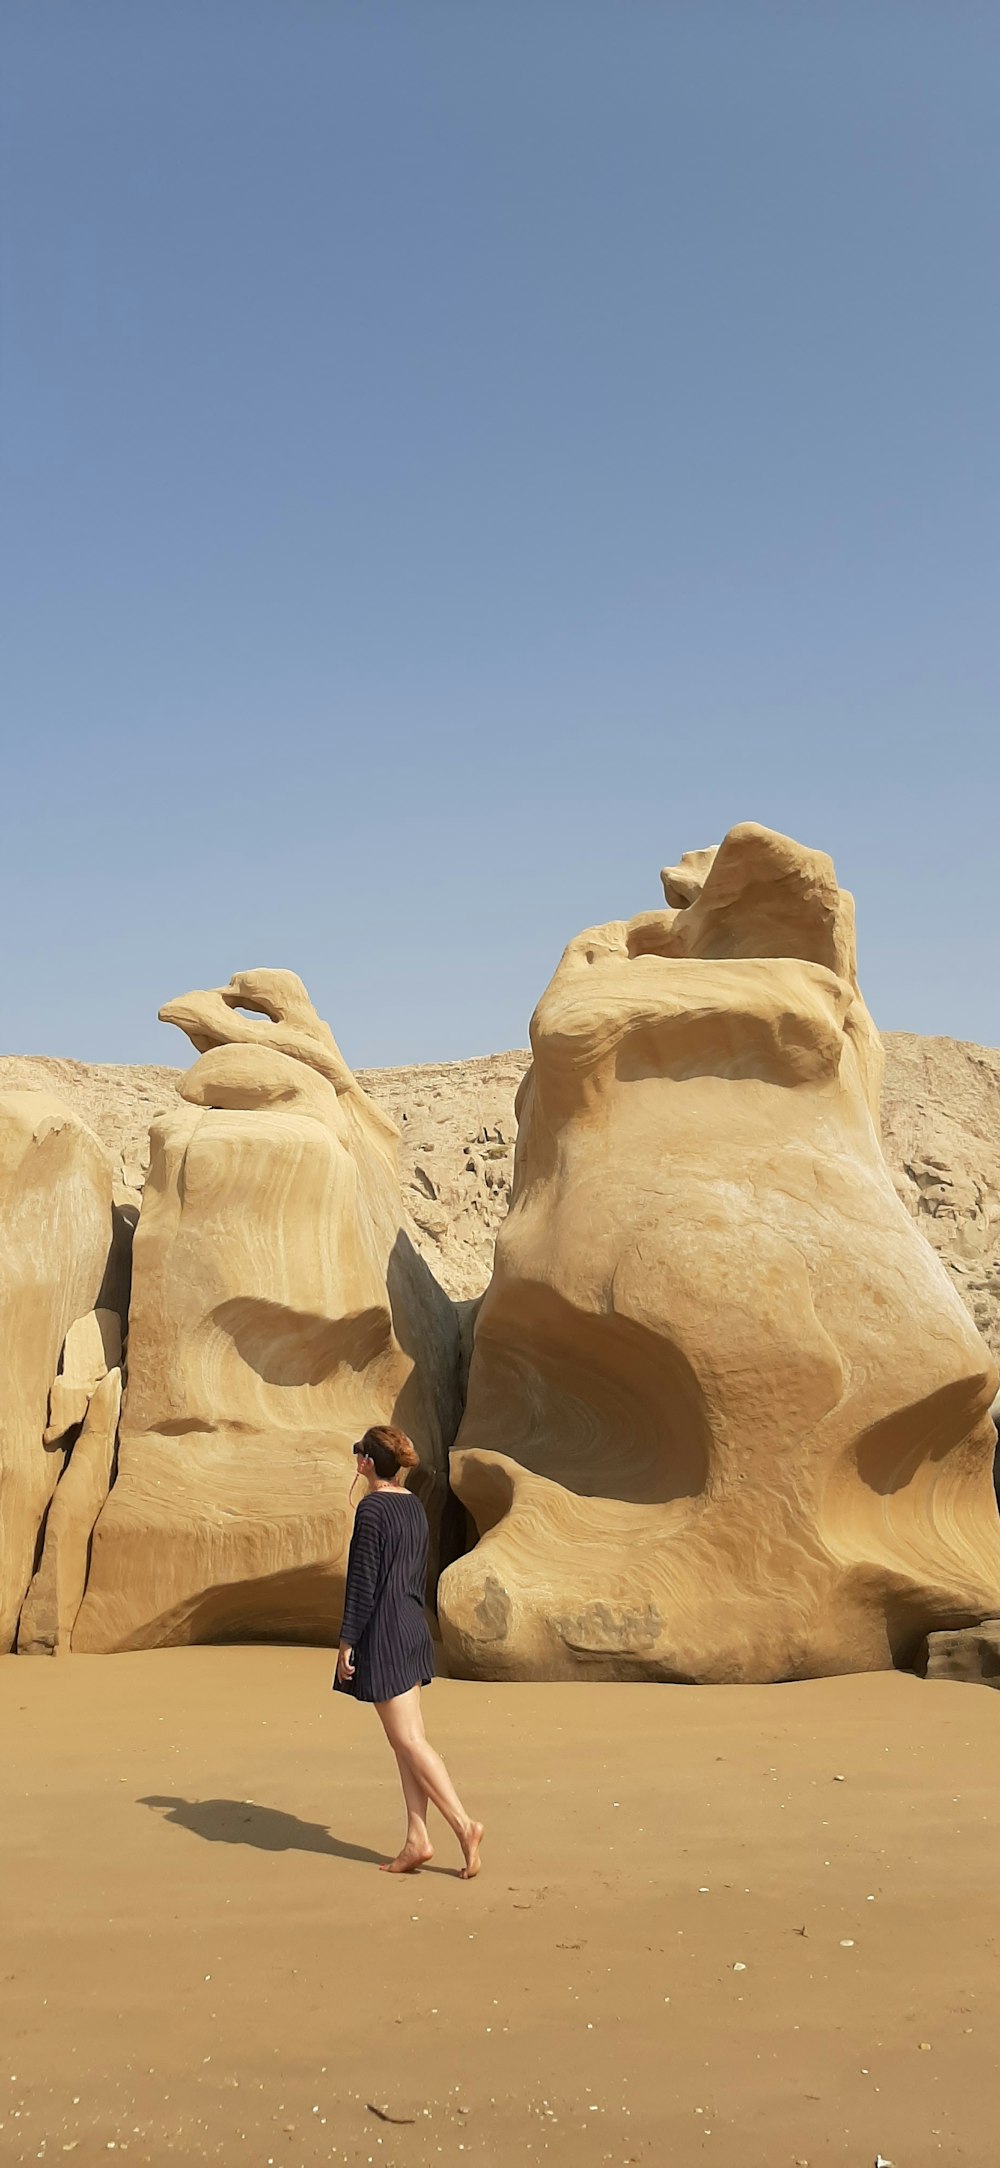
409	1860
470	1844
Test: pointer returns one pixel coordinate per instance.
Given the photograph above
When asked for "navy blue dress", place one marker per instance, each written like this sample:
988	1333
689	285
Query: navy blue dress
384	1620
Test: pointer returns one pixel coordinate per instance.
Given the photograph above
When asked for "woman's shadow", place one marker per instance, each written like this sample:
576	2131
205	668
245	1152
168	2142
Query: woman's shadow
268	1829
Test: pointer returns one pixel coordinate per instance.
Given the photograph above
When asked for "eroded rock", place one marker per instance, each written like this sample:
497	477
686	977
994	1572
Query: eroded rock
278	1308
940	1097
52	1604
92	1347
727	1419
55	1234
970	1654
941	1126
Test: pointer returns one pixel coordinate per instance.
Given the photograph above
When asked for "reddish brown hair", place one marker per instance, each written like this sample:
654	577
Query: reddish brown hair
390	1450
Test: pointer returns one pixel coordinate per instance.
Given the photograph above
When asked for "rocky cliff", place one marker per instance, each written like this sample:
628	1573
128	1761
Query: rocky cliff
940	1133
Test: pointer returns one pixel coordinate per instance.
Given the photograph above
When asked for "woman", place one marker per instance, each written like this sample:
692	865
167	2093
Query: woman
385	1651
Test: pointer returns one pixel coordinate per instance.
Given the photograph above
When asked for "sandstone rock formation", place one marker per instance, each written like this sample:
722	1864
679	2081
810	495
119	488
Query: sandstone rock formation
117	1102
278	1307
455	1143
92	1347
970	1654
52	1604
941	1131
455	1124
727	1418
55	1235
940	1100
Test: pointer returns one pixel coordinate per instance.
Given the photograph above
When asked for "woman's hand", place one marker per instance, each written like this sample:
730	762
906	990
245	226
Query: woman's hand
345	1663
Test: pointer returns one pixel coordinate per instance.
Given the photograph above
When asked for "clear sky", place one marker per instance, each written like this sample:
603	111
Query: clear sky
458	455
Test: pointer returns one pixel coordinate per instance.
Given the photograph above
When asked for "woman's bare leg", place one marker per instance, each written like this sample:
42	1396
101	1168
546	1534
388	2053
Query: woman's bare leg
403	1721
417	1846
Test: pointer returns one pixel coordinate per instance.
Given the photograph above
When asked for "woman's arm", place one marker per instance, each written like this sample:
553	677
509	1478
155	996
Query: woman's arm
363	1563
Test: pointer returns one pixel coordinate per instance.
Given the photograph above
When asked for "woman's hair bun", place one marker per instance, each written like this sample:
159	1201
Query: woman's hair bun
396	1442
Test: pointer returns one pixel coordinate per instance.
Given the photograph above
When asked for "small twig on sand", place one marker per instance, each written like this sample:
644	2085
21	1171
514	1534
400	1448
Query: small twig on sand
385	2117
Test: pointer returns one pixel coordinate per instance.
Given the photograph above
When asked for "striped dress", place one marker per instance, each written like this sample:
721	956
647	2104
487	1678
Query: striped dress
384	1620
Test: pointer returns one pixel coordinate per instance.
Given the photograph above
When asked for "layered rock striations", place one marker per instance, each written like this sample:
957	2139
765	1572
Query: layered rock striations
940	1137
52	1604
55	1238
278	1307
727	1419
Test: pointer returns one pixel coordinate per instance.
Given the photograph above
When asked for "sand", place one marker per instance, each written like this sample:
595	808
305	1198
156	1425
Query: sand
200	1960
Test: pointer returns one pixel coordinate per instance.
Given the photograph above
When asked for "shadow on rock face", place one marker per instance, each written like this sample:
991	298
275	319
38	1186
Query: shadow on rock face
285	1346
268	1829
725	1412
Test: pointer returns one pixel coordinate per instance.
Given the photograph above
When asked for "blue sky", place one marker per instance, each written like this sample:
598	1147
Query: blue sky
458	456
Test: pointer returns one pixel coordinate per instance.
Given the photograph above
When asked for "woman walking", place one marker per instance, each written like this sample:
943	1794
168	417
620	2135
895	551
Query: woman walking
385	1653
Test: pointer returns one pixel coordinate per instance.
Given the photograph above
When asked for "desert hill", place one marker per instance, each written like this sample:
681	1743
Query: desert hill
940	1128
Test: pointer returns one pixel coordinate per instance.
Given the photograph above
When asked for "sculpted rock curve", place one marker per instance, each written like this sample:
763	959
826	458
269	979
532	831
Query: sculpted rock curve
277	1309
727	1419
52	1604
55	1236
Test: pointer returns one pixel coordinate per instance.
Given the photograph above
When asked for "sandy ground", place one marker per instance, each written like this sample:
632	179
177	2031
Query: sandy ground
747	1926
